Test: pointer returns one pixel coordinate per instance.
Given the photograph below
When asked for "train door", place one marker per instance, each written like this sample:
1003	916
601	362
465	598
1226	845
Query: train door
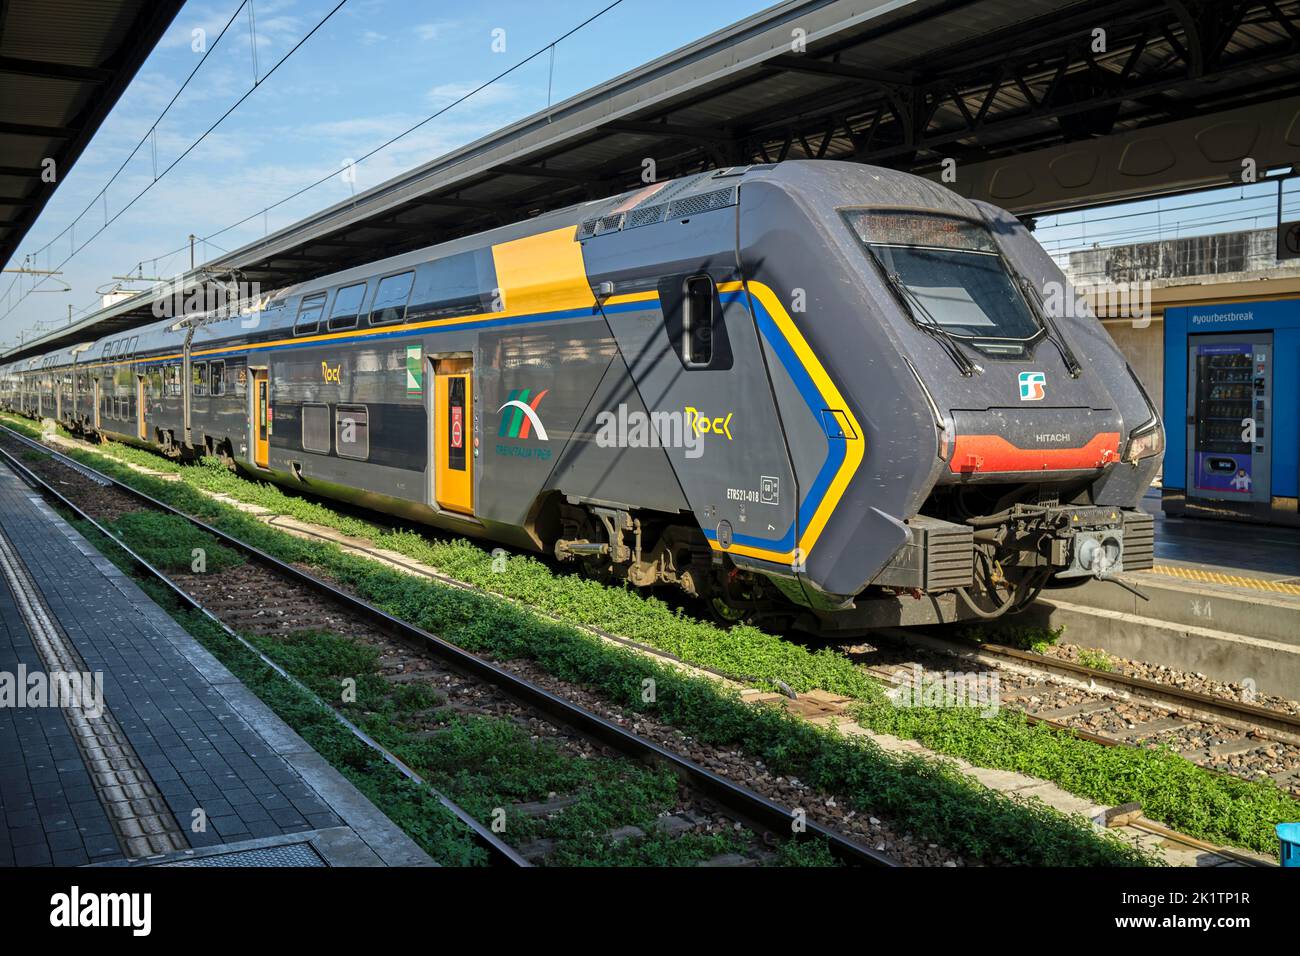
94	408
142	428
453	409
261	398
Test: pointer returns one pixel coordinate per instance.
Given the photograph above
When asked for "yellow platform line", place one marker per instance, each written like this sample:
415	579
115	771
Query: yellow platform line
1233	580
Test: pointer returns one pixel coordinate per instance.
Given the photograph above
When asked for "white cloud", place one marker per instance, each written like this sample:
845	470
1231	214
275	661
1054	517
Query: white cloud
433	31
445	94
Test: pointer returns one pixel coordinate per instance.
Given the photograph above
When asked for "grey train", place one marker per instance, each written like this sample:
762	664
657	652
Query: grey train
826	393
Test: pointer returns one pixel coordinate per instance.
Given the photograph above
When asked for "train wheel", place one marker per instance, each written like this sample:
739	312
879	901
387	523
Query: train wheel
599	570
725	613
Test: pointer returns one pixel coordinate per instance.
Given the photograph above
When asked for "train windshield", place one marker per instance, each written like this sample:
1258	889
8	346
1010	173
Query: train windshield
951	271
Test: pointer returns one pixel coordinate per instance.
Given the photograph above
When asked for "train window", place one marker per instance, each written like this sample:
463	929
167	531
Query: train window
217	378
948	271
697	322
347	306
352	431
131	348
459	284
316	428
199	378
390	299
172	380
309	312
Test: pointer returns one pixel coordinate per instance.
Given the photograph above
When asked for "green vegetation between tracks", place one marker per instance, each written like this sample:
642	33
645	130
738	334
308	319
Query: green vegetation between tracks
934	800
489	765
412	807
486	764
937	802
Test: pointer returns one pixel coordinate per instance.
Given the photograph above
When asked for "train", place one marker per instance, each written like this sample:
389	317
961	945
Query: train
824	394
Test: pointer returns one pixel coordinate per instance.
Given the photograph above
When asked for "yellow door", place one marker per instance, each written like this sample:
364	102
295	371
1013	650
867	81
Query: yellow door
140	395
452	436
261	420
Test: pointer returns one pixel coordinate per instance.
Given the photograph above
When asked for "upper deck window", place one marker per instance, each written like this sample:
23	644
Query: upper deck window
950	268
347	306
391	298
309	313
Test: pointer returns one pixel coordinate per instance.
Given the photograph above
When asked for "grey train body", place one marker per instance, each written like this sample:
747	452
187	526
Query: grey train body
828	393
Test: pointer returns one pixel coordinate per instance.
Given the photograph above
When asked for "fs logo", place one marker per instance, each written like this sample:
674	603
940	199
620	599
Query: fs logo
1033	386
520	417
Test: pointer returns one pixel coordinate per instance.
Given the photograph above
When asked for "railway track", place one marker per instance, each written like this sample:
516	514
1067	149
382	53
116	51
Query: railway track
409	654
1109	708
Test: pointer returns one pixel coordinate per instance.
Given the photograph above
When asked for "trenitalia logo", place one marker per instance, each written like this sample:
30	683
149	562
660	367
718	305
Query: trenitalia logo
520	416
1033	386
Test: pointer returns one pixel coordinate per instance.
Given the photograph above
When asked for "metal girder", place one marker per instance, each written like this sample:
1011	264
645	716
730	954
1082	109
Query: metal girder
457	203
53	71
895	128
1141	162
33	129
541	172
103	53
863	74
671	130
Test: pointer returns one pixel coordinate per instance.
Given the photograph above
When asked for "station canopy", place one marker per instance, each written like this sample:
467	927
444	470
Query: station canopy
994	87
63	65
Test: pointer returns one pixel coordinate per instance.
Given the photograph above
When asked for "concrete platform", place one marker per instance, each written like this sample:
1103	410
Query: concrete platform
1224	600
149	752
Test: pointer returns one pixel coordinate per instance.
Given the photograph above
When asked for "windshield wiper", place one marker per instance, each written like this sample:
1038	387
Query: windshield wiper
1054	333
919	311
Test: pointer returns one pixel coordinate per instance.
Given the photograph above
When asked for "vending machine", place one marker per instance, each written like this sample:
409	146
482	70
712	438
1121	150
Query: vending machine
1229	416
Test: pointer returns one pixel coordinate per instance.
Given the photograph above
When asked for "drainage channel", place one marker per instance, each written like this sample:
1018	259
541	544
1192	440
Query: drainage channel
141	821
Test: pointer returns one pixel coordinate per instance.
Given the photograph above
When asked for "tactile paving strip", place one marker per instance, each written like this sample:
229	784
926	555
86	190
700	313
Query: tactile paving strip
1232	580
294	854
139	815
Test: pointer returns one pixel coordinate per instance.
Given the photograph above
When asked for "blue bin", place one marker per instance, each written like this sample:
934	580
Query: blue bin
1289	834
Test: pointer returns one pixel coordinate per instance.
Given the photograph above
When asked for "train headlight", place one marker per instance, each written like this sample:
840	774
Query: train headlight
1145	442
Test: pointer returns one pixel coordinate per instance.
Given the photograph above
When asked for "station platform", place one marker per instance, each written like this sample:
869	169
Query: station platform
1222	600
1232	553
149	751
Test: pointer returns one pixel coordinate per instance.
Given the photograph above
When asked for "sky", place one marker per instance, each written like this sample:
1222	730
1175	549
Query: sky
371	70
374	69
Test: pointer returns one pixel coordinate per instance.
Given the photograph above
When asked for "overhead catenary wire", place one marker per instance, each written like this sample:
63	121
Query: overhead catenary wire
203	136
150	137
424	122
263	212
